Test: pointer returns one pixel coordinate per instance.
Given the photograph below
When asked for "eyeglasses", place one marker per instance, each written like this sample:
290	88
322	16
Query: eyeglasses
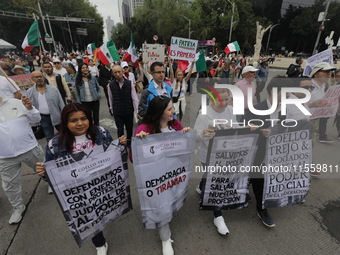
308	87
37	77
125	67
159	72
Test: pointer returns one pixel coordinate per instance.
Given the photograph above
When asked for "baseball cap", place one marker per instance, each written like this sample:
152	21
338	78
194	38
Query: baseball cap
323	66
248	69
124	64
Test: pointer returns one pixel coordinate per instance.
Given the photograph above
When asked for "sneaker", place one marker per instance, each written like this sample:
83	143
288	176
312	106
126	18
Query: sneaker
102	250
315	173
17	214
221	226
198	190
167	247
265	218
49	190
325	140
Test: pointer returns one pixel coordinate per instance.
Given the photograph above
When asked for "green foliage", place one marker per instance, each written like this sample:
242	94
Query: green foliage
15	29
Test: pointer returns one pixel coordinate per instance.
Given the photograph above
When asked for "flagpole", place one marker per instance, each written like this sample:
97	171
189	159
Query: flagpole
2	72
40	39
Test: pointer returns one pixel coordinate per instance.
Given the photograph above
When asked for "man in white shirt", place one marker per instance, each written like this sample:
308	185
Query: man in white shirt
18	145
58	68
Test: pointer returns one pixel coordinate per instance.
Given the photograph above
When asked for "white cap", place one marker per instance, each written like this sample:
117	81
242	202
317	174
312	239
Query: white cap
248	69
56	60
323	66
124	64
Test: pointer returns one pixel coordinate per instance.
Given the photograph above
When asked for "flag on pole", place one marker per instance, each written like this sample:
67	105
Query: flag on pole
131	55
199	65
108	53
90	48
32	38
232	47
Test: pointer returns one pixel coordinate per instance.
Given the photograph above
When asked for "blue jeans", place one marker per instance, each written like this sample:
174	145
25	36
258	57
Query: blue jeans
47	126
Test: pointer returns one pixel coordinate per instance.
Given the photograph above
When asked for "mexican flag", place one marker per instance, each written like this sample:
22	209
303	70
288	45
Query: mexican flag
32	38
232	47
90	48
107	53
199	65
131	55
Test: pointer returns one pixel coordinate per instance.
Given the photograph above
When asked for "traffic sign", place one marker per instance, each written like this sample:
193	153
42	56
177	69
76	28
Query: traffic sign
155	38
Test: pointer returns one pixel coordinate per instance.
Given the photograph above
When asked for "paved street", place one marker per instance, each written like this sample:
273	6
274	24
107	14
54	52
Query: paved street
310	228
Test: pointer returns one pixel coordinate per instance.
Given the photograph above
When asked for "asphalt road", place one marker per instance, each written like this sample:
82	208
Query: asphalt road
309	228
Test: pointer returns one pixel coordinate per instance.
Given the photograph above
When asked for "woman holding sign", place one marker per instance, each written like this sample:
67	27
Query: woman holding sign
159	118
77	133
179	84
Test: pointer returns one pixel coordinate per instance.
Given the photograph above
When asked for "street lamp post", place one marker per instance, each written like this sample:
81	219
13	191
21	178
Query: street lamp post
322	25
189	20
270	32
232	19
69	28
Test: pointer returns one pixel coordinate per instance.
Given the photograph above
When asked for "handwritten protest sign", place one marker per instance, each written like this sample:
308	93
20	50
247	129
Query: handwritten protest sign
324	56
289	155
183	49
330	105
24	81
92	188
230	154
153	52
162	164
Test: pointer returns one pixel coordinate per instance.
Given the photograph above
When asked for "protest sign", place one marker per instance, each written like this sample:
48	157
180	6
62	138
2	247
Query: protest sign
183	49
162	164
153	52
330	105
24	81
92	188
288	157
230	154
324	56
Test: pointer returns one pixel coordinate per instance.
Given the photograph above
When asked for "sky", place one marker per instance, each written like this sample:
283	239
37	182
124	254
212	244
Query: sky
107	8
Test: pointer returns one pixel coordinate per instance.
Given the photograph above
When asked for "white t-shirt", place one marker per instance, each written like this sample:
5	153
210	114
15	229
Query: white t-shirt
167	130
82	143
43	106
175	91
6	89
88	96
61	71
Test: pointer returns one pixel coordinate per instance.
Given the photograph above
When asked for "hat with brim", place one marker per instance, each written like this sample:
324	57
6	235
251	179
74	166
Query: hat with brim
263	60
124	64
323	66
248	69
18	67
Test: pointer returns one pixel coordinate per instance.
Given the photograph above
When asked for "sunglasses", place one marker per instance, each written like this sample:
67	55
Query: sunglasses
56	63
159	72
308	87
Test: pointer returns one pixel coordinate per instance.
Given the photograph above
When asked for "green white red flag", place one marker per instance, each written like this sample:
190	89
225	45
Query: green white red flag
232	47
108	53
32	38
131	54
90	48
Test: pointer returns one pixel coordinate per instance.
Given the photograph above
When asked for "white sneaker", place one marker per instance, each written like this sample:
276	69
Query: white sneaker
17	214
102	250
167	247
198	190
221	226
49	190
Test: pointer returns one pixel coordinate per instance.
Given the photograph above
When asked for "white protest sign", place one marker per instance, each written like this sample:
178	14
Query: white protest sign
289	155
153	52
226	183
330	104
324	56
183	49
92	188
162	164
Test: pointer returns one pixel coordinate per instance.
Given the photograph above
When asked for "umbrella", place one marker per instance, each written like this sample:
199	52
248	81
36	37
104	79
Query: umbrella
6	45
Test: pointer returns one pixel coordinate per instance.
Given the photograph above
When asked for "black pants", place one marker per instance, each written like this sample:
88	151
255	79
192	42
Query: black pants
258	191
322	128
94	108
124	120
99	239
337	121
107	96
